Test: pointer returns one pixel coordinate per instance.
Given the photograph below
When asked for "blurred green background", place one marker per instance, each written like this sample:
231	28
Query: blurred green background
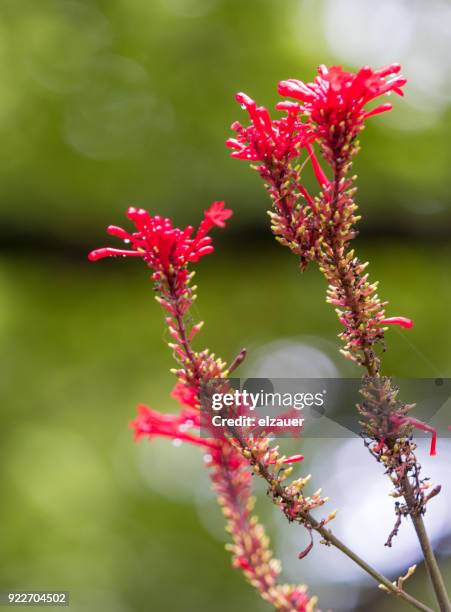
110	103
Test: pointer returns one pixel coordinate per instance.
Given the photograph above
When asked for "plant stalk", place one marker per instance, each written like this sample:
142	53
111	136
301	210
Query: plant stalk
428	552
371	364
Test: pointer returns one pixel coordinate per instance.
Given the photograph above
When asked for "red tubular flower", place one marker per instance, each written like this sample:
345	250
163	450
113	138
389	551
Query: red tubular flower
335	102
151	424
291	459
216	215
401	420
275	143
265	138
161	245
401	321
322	179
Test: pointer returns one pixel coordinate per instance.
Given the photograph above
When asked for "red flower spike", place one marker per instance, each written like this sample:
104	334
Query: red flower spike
401	321
266	139
162	246
335	102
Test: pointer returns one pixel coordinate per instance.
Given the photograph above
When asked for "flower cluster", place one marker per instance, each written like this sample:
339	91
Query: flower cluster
265	139
386	417
168	251
335	103
388	429
274	142
288	496
162	246
334	109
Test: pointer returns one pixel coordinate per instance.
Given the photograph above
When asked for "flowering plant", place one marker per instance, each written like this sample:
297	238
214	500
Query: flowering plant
326	116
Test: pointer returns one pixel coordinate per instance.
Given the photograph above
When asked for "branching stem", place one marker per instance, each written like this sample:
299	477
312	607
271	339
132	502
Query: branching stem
327	535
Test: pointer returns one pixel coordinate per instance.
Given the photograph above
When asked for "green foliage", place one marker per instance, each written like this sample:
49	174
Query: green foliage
110	103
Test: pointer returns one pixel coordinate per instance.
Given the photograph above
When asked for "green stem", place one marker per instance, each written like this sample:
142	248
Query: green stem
428	553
